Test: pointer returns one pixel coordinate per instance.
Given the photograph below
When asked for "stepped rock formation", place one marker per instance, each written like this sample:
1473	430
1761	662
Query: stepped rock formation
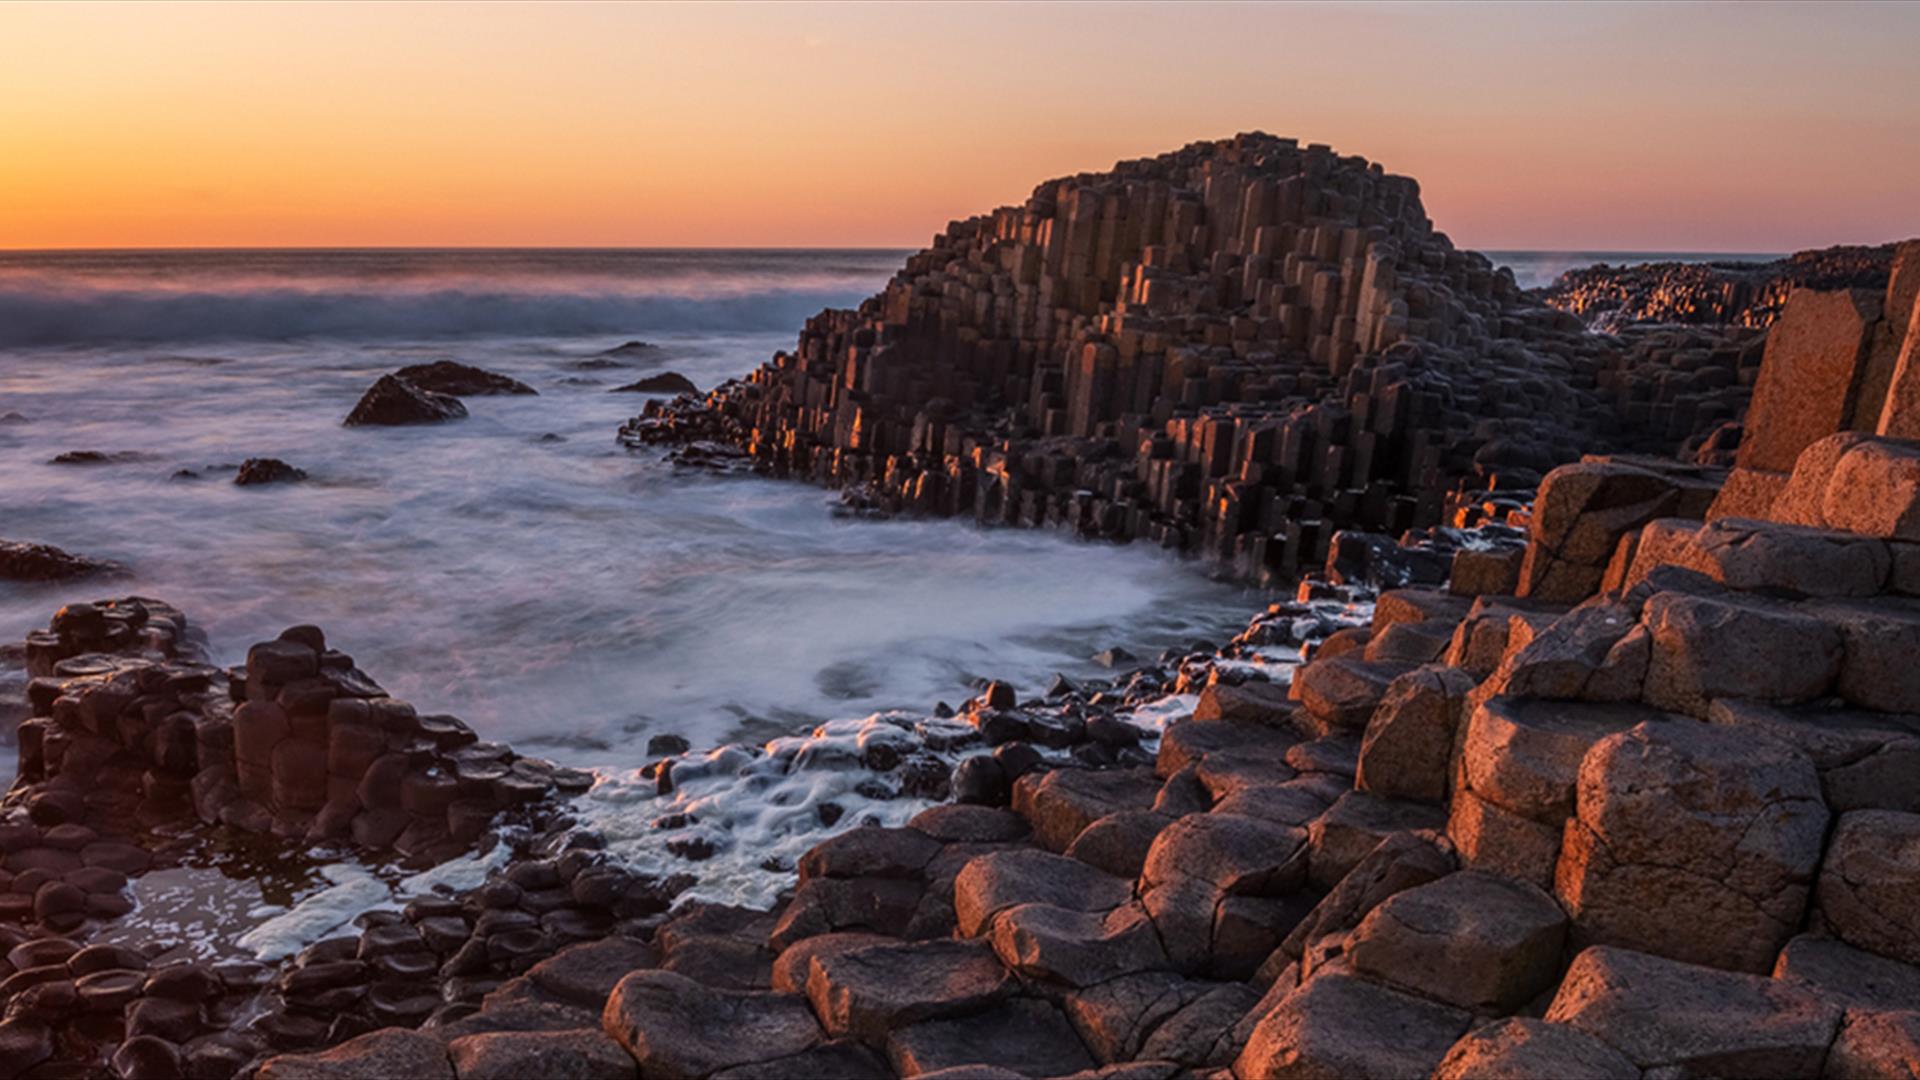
1234	350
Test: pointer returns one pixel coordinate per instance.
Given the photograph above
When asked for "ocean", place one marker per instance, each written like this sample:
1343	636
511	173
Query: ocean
518	568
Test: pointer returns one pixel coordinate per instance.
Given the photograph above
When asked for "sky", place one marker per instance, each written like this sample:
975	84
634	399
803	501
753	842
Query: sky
1612	127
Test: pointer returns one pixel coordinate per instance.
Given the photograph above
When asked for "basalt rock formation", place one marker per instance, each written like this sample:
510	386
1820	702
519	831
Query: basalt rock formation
1712	293
1233	350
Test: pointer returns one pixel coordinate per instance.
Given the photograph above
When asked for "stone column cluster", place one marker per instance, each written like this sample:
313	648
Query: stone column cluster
1234	350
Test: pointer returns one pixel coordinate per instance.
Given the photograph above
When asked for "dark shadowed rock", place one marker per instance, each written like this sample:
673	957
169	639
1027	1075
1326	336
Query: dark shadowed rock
1527	1049
393	401
678	1029
667	382
257	470
992	883
838	1059
1024	1036
461	380
586	1054
585	974
378	1055
867	992
44	562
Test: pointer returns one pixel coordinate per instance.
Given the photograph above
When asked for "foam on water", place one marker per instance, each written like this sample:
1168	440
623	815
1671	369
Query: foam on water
559	593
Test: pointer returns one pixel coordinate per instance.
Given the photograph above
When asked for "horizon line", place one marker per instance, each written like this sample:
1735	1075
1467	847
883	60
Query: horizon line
1557	249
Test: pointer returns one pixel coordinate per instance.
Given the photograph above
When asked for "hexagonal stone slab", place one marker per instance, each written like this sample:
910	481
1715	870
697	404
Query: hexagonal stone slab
1024	1036
994	882
866	992
1527	1049
1475	940
678	1029
1694	1020
1340	1025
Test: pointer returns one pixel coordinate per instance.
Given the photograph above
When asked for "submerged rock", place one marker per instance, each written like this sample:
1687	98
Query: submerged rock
461	380
630	350
667	382
94	457
392	401
267	471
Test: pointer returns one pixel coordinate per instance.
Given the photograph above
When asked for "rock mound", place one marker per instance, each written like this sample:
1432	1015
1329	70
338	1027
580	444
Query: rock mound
667	382
393	401
461	380
43	562
267	471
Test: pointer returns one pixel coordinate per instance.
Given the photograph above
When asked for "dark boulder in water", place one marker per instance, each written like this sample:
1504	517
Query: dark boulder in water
93	457
44	562
632	350
667	382
393	400
267	471
461	380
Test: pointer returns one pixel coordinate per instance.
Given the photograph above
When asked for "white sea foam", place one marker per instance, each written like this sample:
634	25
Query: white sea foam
352	890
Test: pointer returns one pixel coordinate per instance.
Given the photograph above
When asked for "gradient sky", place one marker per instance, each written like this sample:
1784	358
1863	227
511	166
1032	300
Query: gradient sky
1745	127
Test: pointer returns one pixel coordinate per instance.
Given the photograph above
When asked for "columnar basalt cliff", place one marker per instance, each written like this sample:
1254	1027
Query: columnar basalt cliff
1233	350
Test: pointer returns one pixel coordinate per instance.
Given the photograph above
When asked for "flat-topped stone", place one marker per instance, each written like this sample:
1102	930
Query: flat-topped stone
1524	1048
865	993
1024	1036
994	882
1665	1014
1867	760
1849	977
1059	803
680	1030
1354	825
1475	940
1338	1025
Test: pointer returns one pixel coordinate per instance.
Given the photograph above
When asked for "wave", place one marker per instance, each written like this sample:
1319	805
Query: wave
33	316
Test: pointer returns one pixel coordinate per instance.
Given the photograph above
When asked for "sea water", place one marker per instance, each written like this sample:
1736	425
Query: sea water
518	568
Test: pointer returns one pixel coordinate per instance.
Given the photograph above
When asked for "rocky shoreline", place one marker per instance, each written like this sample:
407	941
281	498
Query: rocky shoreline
1746	294
1583	745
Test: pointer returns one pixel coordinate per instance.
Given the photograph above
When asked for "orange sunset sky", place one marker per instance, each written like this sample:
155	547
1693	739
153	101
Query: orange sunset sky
1751	127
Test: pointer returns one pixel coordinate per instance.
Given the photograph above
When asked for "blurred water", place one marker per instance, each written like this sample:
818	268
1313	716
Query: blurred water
517	568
